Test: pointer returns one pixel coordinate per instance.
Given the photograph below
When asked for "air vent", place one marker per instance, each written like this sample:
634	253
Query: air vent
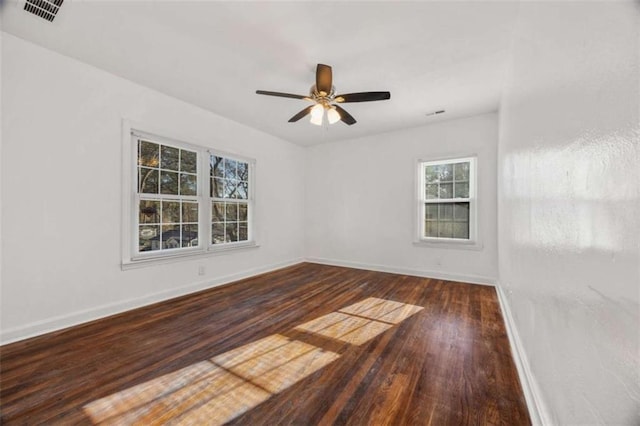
46	9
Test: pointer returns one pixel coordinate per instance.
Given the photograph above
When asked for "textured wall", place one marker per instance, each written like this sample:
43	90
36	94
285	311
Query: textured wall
569	210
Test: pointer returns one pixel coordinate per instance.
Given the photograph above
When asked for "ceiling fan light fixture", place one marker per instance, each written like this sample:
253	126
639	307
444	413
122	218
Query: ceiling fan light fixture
332	115
317	120
316	114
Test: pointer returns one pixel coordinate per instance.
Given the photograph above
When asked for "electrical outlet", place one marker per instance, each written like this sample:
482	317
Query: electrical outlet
201	270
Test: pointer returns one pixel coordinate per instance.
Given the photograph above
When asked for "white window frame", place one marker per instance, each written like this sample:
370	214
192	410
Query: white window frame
420	239
137	136
131	257
250	202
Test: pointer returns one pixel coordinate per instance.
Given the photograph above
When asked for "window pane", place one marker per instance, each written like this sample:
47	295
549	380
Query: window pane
217	233
148	154
462	190
461	171
431	211
188	161
231	232
147	181
149	211
445	172
188	184
461	211
170	236
170	212
430	228
189	212
431	191
445	229
431	174
461	230
243	190
169	158
148	237
243	234
169	183
216	165
217	212
243	171
230	189
189	235
242	212
231	212
217	188
446	211
230	178
445	190
230	168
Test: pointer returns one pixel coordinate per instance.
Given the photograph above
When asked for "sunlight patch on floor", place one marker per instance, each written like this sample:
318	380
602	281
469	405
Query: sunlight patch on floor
358	323
278	368
382	310
220	389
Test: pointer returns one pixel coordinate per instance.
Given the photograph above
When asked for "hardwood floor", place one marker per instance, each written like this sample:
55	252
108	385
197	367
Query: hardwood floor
309	344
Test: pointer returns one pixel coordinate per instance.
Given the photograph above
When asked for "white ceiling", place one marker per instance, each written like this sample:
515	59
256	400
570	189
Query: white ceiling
429	55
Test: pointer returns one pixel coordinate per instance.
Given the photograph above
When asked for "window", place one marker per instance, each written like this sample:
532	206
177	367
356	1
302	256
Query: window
229	190
187	199
167	197
447	201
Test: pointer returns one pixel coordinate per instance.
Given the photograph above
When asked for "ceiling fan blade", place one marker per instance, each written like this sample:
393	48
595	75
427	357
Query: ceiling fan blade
324	78
301	114
363	97
282	95
345	116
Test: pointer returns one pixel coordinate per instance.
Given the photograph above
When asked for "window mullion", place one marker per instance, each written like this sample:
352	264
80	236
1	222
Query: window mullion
446	200
168	197
204	191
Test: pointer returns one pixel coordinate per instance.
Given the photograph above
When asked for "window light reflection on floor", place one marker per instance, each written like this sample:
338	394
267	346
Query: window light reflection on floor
362	321
220	389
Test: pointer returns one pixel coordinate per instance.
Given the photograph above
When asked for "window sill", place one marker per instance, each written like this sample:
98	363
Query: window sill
449	244
231	247
142	262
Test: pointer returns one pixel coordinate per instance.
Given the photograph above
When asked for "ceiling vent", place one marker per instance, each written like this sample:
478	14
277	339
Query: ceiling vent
46	9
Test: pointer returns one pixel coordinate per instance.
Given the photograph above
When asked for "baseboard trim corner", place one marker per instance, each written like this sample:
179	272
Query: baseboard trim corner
532	394
473	279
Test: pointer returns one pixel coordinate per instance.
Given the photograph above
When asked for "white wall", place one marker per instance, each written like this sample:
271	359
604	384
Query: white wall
1	202
360	200
61	192
569	223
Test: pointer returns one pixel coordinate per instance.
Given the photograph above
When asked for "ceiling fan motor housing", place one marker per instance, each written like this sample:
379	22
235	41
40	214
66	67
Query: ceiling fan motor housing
322	97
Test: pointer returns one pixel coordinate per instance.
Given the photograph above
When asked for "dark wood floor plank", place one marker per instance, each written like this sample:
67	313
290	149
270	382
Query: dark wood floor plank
308	344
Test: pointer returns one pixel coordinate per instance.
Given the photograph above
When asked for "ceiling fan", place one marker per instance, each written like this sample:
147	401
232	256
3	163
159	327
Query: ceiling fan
323	95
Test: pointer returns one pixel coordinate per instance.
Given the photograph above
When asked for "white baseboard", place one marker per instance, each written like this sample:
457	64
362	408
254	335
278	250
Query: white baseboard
473	279
58	323
537	410
79	317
